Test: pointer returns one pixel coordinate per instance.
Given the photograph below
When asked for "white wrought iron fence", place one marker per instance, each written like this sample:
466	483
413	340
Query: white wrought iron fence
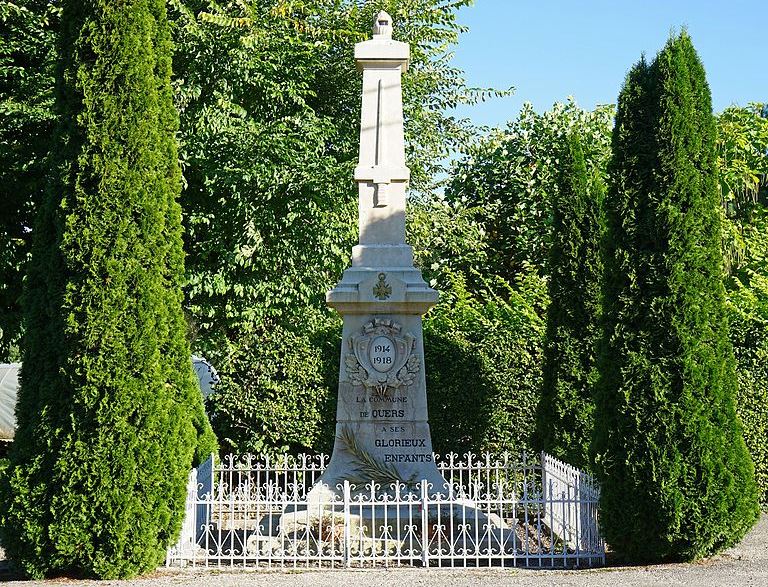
570	502
249	511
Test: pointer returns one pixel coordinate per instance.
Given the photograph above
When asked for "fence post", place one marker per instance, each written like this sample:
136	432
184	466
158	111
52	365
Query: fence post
205	498
347	525
424	524
185	546
544	478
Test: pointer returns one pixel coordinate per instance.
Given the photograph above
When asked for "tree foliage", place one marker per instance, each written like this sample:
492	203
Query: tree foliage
109	414
267	151
27	56
490	321
564	419
512	176
677	480
742	157
269	100
743	163
269	146
482	356
448	239
494	225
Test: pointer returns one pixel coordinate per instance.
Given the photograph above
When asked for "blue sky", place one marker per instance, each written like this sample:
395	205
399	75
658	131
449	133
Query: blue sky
550	49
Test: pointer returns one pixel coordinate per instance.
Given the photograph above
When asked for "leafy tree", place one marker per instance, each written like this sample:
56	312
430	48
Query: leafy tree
564	419
513	173
495	226
677	480
269	201
743	164
269	146
109	414
448	240
269	125
27	56
742	161
483	344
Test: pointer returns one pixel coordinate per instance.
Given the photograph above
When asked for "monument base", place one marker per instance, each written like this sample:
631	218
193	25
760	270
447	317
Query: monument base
451	528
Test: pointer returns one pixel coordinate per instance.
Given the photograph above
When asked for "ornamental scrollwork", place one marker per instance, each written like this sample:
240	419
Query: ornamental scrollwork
382	357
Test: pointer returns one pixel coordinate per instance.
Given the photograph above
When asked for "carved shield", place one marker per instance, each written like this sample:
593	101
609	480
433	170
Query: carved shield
382	357
375	360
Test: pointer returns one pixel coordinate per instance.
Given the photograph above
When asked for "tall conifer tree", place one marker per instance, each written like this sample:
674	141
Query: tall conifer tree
677	480
109	414
564	417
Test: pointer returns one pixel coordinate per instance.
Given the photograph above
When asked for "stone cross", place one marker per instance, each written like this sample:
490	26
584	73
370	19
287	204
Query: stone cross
382	174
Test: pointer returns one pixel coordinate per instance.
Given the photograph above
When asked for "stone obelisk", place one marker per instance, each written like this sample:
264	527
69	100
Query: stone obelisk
382	432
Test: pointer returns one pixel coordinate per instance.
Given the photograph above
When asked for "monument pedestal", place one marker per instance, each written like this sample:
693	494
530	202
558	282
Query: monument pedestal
382	430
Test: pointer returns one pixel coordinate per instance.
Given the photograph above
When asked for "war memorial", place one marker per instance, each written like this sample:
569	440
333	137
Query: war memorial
588	378
382	402
383	495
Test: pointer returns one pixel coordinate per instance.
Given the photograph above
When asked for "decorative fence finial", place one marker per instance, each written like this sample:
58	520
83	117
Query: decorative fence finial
382	26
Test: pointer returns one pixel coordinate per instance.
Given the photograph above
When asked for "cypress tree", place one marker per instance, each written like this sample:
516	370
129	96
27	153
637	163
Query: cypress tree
564	416
109	414
677	480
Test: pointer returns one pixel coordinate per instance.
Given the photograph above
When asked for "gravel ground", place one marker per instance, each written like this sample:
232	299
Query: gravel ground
746	565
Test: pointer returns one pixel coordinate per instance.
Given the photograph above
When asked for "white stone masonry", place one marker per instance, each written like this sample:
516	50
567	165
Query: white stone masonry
382	429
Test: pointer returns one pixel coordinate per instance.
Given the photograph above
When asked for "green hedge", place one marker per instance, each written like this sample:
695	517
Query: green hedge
750	338
749	334
279	387
564	417
743	171
482	361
